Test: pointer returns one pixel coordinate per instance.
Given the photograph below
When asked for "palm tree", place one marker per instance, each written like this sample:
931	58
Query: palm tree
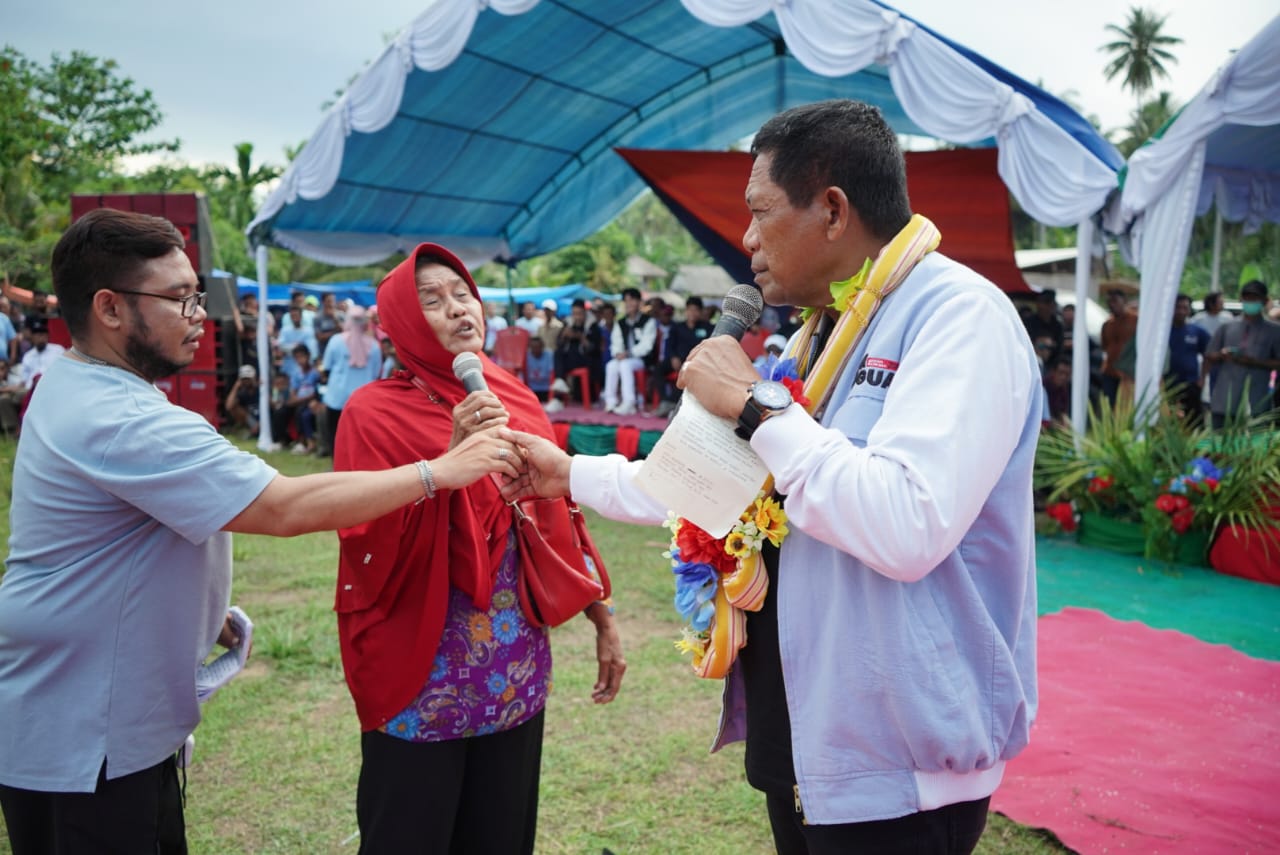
237	186
1139	52
1146	121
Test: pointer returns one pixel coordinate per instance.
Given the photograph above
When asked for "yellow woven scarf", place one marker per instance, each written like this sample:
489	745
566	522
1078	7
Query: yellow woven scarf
857	300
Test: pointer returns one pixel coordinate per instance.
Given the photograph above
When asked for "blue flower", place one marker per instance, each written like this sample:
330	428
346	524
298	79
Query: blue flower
439	667
496	683
1202	468
506	627
783	368
405	725
695	593
1178	485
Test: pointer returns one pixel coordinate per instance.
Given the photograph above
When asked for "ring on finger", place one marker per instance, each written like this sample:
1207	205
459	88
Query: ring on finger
502	454
478	416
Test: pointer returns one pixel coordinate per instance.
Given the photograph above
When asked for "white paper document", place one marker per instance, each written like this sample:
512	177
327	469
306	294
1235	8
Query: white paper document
216	674
702	470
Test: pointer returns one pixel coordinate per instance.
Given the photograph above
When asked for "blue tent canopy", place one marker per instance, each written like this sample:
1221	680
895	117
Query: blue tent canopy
471	131
363	292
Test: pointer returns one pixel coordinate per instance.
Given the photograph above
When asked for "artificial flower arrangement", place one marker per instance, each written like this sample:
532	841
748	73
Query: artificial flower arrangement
1178	482
718	579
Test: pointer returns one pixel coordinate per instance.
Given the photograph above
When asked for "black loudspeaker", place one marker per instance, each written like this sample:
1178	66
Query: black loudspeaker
222	297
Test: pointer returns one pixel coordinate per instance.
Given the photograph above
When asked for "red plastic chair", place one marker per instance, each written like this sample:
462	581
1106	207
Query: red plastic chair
643	391
511	350
584	383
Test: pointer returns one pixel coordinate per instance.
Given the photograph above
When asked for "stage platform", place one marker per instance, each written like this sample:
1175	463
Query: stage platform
583	431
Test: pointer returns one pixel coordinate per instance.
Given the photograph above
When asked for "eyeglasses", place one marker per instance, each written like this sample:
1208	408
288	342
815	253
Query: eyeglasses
189	302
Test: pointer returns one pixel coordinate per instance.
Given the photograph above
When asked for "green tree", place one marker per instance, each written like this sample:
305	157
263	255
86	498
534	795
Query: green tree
235	187
88	118
66	128
1146	121
1140	51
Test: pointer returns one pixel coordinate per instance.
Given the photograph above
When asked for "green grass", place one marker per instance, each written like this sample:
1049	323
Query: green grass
277	755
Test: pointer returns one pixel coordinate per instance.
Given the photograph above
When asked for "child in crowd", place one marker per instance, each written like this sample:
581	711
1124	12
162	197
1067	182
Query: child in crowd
539	367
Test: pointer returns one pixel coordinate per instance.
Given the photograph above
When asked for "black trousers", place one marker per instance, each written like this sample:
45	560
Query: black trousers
949	830
139	814
462	796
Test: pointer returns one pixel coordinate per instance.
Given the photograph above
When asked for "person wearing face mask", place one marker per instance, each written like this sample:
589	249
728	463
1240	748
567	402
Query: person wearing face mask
1246	352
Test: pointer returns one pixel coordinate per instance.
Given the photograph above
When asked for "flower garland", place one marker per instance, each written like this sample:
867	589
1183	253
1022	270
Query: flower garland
714	574
719	580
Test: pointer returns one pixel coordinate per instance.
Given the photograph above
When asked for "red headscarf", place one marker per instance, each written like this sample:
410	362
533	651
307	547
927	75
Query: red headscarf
395	572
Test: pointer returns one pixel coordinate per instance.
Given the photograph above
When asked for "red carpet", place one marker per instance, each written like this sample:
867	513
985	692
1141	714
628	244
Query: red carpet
1148	741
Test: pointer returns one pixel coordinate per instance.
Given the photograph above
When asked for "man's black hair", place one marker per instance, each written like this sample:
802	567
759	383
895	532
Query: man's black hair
845	144
105	248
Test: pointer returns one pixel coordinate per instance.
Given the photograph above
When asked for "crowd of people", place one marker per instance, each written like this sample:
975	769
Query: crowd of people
1218	364
321	352
631	351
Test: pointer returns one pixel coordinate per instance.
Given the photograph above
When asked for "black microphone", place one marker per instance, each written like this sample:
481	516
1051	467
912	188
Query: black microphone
740	309
468	368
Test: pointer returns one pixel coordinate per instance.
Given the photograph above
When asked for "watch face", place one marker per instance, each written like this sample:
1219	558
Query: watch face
772	395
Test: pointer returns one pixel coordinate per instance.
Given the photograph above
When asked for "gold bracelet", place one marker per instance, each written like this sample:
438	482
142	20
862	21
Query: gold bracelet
428	480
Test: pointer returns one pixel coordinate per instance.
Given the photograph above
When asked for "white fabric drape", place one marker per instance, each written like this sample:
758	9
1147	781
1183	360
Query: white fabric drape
1169	182
1053	177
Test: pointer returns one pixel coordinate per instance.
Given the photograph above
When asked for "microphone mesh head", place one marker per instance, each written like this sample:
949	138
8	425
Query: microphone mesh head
744	303
465	363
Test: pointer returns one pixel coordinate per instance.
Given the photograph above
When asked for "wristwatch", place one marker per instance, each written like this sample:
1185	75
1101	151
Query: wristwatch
765	399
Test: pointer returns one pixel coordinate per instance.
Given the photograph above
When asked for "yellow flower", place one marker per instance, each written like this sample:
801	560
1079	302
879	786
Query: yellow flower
737	544
771	519
691	642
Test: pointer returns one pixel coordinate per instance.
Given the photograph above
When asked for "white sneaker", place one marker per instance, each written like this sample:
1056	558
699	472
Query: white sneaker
624	410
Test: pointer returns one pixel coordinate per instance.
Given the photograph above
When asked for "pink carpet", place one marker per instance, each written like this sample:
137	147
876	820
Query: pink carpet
1148	741
574	413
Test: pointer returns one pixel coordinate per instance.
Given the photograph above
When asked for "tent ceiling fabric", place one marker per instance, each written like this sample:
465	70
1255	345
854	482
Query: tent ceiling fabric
489	126
1224	146
959	190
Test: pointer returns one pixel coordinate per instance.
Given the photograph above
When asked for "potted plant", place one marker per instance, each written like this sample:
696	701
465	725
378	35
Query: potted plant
1142	480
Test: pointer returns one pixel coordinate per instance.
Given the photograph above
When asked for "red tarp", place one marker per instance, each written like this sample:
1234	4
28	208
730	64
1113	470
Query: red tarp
1148	741
959	190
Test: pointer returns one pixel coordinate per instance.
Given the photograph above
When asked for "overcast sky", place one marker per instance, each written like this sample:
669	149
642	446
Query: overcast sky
233	70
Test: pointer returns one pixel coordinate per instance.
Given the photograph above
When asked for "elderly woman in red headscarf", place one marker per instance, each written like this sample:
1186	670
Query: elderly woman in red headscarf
448	676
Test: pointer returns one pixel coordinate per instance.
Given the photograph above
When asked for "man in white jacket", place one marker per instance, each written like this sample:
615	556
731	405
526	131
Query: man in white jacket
890	673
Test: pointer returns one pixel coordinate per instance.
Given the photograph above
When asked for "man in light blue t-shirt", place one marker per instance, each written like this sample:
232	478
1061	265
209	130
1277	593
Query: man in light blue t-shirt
119	570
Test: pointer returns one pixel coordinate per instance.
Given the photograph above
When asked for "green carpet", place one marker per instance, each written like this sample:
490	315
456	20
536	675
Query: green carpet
1195	600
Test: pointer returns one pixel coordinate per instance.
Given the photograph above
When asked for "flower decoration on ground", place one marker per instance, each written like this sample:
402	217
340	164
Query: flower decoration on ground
1063	514
1178	482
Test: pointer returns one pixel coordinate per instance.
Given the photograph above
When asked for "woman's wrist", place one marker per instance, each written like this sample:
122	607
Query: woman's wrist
600	612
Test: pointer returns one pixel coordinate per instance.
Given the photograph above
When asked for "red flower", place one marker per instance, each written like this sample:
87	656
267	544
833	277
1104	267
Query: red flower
796	388
1180	502
1211	484
1181	521
1100	483
698	547
1063	514
1166	502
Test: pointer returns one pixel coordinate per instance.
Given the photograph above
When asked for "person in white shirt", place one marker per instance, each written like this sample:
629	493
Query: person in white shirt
494	323
1213	316
901	606
41	355
529	321
634	336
